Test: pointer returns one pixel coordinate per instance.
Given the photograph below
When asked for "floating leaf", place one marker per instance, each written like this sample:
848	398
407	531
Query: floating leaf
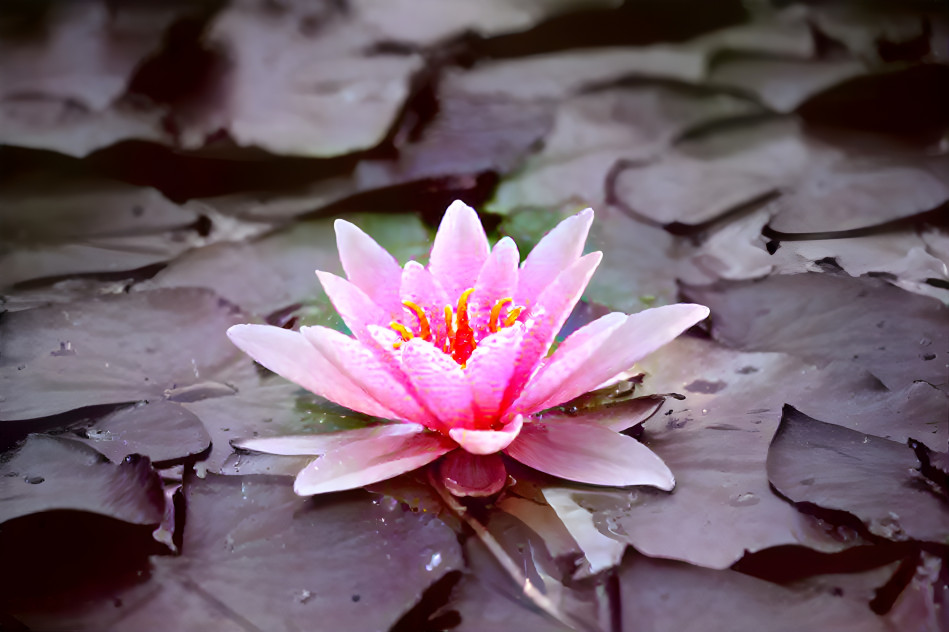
875	479
255	555
898	337
49	473
113	349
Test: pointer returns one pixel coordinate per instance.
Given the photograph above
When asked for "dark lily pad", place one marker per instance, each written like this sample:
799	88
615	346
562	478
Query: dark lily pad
663	595
596	129
164	431
49	473
320	94
783	84
54	225
113	349
873	478
710	175
715	441
255	556
266	407
277	271
897	336
901	257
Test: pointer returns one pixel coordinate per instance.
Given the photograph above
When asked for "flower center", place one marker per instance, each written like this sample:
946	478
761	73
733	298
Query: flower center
459	338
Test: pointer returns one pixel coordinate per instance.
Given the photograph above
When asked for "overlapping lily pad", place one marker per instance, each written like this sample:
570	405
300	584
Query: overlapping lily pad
899	337
875	479
113	349
255	556
48	473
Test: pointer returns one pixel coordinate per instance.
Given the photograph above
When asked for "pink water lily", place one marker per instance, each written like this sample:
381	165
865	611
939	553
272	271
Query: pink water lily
456	353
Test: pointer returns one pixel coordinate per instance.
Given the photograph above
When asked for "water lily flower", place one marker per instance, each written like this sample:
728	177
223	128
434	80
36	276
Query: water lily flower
456	355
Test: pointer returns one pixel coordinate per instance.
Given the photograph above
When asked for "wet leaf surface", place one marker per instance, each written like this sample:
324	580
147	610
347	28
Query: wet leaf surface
716	441
875	479
49	473
258	557
898	337
163	431
663	595
113	349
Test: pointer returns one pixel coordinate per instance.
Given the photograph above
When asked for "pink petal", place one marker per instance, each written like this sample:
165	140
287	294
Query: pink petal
354	306
460	249
580	366
362	366
420	287
583	340
369	266
288	354
589	453
440	383
487	441
466	474
553	254
497	280
490	367
316	444
363	462
547	317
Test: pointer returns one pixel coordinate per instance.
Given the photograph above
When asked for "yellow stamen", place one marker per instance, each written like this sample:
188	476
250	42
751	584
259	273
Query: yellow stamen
402	329
462	315
425	330
511	318
496	313
449	322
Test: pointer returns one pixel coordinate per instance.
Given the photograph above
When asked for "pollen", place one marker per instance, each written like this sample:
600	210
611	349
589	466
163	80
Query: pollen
460	337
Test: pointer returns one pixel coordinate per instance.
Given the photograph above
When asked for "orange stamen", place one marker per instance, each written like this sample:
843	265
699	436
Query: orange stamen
463	342
511	318
403	330
425	330
496	313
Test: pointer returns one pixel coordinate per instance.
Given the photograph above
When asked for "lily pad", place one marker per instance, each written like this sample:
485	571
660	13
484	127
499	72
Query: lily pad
594	130
277	271
112	349
873	478
705	177
163	431
663	595
715	441
896	336
255	556
51	226
49	473
302	83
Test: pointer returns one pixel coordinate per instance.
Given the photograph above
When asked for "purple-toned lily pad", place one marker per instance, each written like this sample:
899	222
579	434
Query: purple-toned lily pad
873	478
51	226
277	271
897	336
594	130
49	473
902	257
256	556
302	82
266	407
164	431
855	189
783	84
663	595
716	443
708	176
113	349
